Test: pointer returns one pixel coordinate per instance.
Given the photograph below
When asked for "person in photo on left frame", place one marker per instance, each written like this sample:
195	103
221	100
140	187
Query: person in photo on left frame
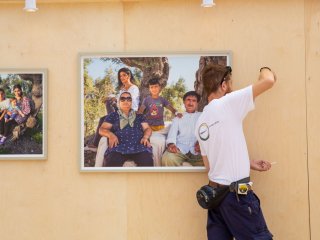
23	104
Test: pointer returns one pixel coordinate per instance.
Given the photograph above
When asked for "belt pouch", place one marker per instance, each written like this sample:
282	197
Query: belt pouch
210	197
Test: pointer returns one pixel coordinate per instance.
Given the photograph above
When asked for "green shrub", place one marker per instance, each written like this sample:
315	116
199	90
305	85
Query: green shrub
5	151
37	137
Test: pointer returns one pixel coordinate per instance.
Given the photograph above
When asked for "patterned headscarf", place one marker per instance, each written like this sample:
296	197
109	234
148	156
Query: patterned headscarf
124	119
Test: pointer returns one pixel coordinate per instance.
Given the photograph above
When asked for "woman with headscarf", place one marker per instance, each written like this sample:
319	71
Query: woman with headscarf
126	83
128	135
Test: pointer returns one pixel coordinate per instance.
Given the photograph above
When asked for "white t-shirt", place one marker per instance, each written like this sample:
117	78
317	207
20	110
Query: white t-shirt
221	138
135	94
4	104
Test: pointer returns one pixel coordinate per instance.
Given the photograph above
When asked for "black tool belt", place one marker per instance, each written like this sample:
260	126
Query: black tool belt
211	195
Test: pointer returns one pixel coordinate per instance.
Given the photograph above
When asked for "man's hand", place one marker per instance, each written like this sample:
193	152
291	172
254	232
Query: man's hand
266	80
268	74
113	140
260	165
197	147
173	148
179	115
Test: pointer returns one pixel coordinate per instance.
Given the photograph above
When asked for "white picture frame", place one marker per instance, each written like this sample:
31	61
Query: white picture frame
28	140
98	66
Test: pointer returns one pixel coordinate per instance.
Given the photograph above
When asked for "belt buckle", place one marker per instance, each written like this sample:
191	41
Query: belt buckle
243	188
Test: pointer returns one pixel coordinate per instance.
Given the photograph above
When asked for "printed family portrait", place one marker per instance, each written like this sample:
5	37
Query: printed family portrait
22	114
138	112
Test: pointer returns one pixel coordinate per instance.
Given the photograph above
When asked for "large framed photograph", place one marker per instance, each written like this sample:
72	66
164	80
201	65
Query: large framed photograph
136	113
23	111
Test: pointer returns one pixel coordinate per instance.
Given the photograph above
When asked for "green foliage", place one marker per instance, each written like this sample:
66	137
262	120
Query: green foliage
40	119
137	74
95	96
7	82
5	151
174	94
37	137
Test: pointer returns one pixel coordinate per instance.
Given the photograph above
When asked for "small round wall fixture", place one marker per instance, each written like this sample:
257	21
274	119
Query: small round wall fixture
207	3
30	6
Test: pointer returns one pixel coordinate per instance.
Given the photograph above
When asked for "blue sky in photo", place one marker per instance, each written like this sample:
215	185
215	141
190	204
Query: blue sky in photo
180	67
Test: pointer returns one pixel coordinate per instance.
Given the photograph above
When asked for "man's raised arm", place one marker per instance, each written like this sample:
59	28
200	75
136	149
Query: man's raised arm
266	80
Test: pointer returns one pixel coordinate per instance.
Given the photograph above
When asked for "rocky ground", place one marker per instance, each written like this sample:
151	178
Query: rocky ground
89	158
24	145
89	155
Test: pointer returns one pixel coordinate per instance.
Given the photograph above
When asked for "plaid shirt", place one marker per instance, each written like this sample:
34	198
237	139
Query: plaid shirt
24	105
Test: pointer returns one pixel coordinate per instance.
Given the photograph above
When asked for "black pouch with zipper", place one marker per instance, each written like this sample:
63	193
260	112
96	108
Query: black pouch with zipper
210	197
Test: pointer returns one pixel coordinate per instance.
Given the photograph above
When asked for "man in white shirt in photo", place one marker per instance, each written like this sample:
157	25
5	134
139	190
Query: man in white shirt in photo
182	146
223	148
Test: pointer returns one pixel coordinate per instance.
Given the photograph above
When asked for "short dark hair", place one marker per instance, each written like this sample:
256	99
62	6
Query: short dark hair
213	75
154	81
191	93
1	90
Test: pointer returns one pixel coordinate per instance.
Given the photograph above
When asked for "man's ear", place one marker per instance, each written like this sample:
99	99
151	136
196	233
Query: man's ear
224	86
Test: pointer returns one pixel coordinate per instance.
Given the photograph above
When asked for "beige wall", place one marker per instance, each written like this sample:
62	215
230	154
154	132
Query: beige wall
312	18
52	200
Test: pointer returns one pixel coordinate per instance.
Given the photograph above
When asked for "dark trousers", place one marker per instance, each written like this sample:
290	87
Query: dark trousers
116	159
241	219
2	125
12	116
8	127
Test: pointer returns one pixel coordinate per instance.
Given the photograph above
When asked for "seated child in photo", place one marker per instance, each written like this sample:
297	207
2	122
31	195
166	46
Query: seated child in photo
153	106
13	111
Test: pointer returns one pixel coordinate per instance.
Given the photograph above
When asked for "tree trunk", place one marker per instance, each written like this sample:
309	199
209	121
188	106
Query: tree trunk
36	92
198	84
151	67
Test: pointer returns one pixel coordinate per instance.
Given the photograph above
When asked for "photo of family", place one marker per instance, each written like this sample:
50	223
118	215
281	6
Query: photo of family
139	112
22	114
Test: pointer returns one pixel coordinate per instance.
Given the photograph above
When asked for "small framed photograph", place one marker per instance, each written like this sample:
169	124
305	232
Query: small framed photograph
23	114
134	113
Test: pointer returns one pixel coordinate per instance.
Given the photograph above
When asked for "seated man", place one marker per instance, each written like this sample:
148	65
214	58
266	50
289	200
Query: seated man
182	146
